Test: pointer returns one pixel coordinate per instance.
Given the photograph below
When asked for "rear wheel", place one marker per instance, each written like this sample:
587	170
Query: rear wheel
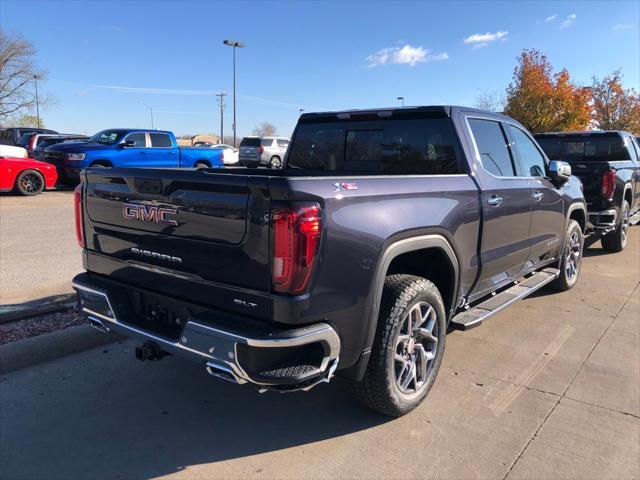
616	241
570	259
29	182
275	162
201	165
407	349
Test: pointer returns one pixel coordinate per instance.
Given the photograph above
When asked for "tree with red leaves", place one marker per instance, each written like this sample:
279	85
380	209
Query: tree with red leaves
543	101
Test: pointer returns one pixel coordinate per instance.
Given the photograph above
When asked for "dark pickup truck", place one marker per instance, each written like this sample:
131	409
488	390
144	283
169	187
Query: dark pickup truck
607	163
384	229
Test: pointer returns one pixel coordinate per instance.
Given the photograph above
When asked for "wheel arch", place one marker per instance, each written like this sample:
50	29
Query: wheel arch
204	161
578	212
400	257
102	162
628	195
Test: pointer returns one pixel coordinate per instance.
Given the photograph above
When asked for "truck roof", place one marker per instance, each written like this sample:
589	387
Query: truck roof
582	133
446	110
136	130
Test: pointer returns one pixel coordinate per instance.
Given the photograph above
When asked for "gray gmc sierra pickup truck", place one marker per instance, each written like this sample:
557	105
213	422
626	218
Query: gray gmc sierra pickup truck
384	229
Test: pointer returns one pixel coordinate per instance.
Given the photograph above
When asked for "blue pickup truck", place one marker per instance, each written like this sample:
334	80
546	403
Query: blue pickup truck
120	147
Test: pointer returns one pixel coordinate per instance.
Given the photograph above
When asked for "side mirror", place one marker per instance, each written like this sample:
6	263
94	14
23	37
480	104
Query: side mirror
559	171
128	144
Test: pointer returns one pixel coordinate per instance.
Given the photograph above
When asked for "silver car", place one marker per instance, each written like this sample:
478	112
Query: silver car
263	151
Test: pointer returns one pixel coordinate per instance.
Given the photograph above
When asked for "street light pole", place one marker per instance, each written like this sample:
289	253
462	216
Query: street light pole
235	45
150	111
402	100
221	96
35	80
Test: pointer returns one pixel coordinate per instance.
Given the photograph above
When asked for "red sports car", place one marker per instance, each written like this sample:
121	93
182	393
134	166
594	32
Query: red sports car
26	175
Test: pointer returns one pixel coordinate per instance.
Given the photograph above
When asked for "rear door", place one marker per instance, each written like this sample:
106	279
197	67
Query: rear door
506	203
162	152
547	214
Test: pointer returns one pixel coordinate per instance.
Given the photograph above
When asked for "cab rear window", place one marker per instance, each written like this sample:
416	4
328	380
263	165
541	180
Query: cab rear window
595	149
402	146
250	142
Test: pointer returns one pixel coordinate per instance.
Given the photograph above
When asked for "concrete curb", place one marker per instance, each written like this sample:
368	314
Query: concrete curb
51	346
42	306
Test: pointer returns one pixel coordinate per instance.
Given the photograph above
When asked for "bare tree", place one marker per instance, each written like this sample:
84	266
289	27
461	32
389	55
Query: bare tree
490	101
265	129
17	74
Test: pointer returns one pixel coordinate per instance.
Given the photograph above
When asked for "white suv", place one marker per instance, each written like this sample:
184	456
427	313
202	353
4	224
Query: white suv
267	151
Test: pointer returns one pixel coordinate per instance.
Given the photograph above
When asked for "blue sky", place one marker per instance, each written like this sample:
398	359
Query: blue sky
103	58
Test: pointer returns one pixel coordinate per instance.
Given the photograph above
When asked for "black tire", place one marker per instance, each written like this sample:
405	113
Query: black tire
616	241
201	165
381	388
100	165
275	162
570	258
29	182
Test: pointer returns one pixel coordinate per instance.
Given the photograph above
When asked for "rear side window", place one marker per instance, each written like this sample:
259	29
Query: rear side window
267	142
531	160
632	148
492	147
250	142
160	140
283	143
411	146
584	148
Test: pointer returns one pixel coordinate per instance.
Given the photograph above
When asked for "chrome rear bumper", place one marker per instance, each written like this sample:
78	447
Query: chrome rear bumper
223	351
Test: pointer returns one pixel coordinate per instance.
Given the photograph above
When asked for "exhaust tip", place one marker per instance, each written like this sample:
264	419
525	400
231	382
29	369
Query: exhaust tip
222	372
97	324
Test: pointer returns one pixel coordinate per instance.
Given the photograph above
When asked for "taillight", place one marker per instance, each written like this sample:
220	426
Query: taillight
608	184
77	200
32	145
222	157
296	237
260	150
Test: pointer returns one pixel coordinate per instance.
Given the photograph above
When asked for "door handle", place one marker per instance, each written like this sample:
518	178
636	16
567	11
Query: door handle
537	196
143	153
495	200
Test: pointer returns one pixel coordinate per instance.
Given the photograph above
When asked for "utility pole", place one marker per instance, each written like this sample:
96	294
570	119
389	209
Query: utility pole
35	80
402	100
235	45
221	96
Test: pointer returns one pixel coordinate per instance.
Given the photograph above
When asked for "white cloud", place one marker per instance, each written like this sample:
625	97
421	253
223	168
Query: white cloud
568	21
404	55
479	40
551	18
623	26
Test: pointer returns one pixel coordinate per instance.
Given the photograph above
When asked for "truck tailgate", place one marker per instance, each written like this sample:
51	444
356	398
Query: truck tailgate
211	229
590	174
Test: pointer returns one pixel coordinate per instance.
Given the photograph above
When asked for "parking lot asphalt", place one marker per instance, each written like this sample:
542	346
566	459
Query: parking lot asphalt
38	250
549	388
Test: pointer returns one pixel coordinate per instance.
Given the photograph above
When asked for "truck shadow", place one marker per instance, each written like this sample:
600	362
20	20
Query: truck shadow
144	420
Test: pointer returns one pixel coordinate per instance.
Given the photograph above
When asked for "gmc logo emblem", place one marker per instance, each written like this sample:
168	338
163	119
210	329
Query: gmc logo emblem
149	213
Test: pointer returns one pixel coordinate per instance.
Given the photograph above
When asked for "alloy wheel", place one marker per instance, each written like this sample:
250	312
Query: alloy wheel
415	348
31	183
624	226
572	264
